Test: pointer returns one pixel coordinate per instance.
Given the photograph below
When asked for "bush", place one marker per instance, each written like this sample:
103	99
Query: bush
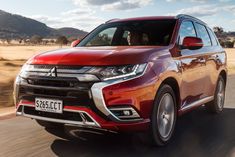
228	44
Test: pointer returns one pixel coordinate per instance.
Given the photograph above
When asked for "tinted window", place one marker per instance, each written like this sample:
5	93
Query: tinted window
131	33
105	37
203	34
213	38
186	29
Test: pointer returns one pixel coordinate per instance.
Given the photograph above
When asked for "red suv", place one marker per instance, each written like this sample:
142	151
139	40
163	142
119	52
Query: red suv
136	74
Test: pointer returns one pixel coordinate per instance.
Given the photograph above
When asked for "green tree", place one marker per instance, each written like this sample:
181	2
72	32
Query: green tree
8	41
52	41
20	40
218	30
62	40
36	39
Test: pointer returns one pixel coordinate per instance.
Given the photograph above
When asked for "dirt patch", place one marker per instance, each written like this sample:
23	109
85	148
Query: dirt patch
8	72
3	59
6	96
12	64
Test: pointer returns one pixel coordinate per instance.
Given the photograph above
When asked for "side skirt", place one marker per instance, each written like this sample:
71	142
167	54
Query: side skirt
195	104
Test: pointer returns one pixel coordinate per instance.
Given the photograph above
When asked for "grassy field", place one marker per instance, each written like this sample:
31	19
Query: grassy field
13	57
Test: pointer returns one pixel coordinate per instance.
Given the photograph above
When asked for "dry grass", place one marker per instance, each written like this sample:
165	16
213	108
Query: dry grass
8	71
23	52
13	57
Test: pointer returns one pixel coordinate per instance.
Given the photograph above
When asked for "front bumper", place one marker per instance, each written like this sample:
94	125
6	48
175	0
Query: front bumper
95	121
101	100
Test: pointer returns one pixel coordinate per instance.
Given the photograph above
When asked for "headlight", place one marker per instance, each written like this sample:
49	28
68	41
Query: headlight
117	72
24	69
17	82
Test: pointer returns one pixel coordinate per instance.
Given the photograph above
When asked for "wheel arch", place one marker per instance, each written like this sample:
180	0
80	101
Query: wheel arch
223	73
171	81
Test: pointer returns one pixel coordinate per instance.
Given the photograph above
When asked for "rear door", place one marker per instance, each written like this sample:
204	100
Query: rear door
208	52
214	61
193	67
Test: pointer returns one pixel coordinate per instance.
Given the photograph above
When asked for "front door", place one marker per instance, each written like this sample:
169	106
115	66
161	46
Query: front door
193	68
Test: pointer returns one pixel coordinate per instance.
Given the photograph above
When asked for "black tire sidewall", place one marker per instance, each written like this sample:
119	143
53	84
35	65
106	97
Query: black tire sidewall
156	137
218	110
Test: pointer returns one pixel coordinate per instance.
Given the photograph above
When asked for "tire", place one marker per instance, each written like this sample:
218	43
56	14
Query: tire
216	106
164	114
49	124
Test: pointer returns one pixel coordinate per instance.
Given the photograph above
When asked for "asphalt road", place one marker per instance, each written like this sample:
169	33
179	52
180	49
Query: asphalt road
198	134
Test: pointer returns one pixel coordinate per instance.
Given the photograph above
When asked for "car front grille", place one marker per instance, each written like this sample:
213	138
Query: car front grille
65	86
68	89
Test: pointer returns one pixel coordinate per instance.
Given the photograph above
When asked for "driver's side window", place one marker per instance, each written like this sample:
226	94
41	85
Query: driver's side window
186	29
104	38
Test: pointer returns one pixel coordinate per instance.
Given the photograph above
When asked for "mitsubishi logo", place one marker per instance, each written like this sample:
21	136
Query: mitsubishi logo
52	72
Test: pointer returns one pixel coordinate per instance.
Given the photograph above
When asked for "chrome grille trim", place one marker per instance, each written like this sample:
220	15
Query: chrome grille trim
80	77
59	71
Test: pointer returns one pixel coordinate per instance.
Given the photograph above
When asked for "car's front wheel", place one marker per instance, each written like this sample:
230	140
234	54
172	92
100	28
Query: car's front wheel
164	116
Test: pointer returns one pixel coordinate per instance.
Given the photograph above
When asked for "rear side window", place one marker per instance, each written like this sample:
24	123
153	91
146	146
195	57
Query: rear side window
203	34
186	29
213	38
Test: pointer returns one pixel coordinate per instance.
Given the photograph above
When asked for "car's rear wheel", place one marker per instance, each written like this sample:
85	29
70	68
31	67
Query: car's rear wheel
164	116
217	105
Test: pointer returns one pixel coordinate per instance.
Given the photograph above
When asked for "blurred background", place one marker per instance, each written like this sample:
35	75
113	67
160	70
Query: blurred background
29	27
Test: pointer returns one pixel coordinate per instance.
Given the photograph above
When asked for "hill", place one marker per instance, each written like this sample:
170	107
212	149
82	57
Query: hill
71	32
16	26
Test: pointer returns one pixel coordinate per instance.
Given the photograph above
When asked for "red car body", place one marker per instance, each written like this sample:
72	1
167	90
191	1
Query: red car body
192	74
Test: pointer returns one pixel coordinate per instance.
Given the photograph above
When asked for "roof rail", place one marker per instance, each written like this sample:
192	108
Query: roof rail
111	20
189	16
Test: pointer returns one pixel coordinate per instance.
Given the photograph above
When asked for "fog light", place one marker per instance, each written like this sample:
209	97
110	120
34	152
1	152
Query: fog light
125	113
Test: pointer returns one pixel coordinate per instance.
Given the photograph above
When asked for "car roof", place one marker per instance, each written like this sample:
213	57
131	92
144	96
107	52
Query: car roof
142	18
180	16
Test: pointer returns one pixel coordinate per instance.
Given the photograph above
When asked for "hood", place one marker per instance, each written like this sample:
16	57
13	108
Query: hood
96	56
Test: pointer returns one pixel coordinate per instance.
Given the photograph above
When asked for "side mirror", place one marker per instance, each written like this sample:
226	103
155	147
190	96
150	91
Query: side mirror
192	43
74	43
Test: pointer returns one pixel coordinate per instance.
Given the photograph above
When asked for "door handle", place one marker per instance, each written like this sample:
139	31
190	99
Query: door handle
179	66
201	60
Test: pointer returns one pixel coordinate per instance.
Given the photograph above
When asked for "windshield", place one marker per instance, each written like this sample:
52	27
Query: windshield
131	33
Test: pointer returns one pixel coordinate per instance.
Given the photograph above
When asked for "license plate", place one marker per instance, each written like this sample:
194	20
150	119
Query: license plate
48	105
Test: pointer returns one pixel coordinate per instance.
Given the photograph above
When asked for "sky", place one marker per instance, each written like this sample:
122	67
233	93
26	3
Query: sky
88	14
